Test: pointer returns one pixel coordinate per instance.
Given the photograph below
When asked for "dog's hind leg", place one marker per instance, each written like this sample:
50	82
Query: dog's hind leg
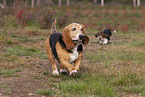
101	42
51	58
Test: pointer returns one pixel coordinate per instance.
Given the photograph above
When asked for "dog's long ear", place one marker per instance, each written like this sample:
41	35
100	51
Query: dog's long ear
66	38
85	40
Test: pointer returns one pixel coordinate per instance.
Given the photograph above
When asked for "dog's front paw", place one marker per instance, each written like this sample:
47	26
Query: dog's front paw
55	72
73	73
63	71
101	42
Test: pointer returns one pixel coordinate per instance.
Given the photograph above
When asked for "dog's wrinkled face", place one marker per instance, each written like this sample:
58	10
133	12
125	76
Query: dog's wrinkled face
76	31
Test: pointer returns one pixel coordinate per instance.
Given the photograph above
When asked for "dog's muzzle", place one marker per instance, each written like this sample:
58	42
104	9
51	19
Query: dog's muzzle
79	40
81	37
100	37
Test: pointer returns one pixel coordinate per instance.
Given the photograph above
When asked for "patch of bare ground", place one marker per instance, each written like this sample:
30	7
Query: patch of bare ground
35	72
31	78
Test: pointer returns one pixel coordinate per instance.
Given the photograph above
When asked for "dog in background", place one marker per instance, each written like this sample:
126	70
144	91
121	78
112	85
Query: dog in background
104	36
66	48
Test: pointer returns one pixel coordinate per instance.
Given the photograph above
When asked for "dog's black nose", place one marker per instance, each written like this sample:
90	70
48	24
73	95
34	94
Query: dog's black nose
81	37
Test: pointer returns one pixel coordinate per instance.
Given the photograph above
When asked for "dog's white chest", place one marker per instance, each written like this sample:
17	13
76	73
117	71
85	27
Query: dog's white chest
74	55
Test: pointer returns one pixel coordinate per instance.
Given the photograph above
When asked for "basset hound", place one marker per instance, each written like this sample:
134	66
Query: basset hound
104	36
66	48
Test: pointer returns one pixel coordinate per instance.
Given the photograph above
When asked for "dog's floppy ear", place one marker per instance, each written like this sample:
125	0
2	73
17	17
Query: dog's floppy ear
83	28
66	38
85	41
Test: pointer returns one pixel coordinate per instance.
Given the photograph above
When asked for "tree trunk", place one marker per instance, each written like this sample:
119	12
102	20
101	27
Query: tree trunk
138	2
5	3
59	4
38	2
2	6
67	3
102	3
134	2
95	1
32	3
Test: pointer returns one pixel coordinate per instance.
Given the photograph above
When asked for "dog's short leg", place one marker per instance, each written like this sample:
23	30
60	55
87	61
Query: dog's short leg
54	66
67	65
51	58
55	72
109	41
78	61
105	41
73	73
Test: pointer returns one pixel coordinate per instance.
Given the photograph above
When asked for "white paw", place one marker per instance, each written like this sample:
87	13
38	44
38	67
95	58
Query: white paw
63	71
74	71
104	43
55	72
101	42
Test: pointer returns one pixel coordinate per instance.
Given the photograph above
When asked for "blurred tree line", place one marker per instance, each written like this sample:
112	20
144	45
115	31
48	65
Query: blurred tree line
33	3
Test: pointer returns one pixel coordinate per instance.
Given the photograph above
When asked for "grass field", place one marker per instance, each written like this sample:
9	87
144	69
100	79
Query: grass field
113	70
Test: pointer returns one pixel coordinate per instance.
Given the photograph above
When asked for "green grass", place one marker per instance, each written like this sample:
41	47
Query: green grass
87	85
109	70
133	89
47	92
119	69
24	38
137	43
10	72
22	51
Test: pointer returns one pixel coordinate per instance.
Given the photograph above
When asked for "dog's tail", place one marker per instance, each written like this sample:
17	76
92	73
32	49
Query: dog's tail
53	27
113	30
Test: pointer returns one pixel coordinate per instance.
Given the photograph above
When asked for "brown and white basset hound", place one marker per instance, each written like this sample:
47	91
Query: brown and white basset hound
66	48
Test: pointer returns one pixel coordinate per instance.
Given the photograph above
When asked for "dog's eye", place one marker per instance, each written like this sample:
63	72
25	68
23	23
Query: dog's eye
82	29
73	29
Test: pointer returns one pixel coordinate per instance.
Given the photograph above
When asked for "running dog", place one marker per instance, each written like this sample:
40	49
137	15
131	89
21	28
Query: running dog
66	48
104	36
